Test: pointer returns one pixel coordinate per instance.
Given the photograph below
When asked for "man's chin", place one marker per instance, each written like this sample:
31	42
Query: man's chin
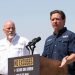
56	29
10	36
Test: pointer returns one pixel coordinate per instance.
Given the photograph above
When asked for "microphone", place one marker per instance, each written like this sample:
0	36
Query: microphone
34	41
31	44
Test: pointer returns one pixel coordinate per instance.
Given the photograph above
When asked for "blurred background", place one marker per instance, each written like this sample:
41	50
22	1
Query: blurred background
32	17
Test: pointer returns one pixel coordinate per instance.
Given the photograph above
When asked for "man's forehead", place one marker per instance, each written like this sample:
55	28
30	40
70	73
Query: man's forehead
9	24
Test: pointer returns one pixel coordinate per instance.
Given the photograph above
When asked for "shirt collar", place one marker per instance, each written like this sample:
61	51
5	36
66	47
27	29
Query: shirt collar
14	37
61	31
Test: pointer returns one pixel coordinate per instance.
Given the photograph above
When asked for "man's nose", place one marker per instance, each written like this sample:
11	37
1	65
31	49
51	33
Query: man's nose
11	29
55	20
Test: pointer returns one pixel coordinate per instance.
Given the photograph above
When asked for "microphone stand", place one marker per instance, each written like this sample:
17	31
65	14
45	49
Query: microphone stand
31	47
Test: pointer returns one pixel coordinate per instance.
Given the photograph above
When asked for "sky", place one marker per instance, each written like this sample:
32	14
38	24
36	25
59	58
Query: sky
32	17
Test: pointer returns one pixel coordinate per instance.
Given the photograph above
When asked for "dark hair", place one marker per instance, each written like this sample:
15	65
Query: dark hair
60	12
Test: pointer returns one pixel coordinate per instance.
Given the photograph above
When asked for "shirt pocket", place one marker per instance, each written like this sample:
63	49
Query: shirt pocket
63	43
48	43
49	48
19	47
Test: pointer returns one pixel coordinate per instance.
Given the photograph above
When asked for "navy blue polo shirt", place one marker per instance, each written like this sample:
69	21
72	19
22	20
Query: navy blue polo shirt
59	45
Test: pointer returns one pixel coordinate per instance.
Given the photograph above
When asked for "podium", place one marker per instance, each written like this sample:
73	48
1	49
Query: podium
51	67
35	65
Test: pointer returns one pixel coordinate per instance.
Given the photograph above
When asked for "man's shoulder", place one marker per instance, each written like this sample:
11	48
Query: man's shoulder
70	33
23	39
2	40
50	37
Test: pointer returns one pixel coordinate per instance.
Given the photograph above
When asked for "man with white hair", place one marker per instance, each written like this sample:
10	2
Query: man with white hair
11	46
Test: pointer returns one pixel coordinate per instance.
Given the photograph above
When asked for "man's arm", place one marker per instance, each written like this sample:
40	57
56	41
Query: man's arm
67	60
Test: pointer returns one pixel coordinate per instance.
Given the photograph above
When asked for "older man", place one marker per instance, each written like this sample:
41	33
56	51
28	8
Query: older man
11	46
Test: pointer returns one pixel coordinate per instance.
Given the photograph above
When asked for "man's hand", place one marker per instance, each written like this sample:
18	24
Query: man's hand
64	62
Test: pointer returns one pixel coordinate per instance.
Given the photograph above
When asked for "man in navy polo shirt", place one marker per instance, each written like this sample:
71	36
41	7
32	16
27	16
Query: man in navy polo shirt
61	44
